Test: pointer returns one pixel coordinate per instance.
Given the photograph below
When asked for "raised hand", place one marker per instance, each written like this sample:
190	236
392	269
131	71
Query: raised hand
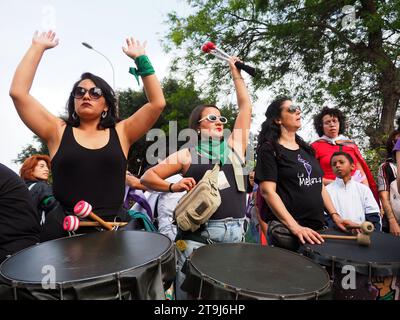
45	40
134	48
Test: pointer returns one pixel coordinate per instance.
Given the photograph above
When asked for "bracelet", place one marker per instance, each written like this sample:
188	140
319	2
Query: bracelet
333	213
170	188
144	67
237	78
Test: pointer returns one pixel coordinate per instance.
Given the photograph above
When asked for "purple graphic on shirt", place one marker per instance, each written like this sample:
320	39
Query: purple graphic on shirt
306	164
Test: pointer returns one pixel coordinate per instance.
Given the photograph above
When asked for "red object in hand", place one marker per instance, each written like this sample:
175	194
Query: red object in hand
83	209
208	46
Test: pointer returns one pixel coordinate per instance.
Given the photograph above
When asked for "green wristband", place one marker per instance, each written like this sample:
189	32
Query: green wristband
144	67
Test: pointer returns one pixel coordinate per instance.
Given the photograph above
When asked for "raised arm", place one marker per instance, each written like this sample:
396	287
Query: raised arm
31	112
142	120
240	135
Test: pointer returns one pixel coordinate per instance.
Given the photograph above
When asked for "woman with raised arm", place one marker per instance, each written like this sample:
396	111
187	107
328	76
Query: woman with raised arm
226	224
88	149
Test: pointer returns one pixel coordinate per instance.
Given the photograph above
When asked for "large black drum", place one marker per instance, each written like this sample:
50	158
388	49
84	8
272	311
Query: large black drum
360	272
251	271
105	265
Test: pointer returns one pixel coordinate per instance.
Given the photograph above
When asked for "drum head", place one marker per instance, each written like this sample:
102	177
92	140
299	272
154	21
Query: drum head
86	257
254	271
381	257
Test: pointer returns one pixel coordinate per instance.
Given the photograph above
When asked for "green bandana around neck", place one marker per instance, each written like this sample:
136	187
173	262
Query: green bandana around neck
214	150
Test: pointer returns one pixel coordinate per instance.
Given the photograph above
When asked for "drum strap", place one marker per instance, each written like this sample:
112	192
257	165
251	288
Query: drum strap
193	236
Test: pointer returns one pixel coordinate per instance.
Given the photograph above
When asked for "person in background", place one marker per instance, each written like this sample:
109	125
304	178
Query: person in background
330	125
387	186
35	172
353	200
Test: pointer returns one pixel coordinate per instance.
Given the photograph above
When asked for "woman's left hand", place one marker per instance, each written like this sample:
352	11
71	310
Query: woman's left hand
234	70
134	48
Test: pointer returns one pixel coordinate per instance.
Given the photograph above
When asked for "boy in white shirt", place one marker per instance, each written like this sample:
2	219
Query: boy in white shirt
353	200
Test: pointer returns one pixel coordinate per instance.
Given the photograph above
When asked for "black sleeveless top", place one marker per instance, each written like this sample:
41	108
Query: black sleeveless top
233	202
96	176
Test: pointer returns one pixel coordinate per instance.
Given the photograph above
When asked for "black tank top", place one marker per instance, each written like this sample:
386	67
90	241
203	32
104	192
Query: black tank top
96	176
233	202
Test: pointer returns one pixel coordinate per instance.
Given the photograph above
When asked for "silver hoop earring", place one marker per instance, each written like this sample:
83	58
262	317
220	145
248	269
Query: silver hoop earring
104	114
74	116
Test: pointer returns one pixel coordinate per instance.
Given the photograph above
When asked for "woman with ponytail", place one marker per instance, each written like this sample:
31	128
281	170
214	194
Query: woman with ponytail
290	180
226	223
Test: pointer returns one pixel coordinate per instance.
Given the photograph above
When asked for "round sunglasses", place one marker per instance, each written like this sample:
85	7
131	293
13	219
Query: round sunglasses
214	118
94	93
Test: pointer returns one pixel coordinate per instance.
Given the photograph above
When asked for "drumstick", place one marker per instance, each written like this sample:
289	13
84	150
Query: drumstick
366	227
362	239
72	223
210	47
83	209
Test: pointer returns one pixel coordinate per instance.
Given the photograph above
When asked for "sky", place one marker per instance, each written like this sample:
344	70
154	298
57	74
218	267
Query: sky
104	24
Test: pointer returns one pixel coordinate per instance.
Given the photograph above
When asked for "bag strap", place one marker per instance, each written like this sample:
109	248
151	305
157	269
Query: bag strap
238	170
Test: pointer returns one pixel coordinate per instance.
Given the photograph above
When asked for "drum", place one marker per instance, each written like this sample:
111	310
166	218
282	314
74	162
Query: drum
251	271
360	272
104	265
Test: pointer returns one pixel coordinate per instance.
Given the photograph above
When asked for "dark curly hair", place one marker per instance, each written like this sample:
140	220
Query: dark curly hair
109	95
391	141
333	112
271	131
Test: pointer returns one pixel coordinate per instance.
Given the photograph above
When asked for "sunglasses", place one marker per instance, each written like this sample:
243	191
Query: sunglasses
214	118
292	108
94	93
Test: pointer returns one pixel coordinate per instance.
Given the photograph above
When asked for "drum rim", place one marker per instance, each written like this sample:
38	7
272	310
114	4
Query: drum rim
363	267
255	294
83	280
327	259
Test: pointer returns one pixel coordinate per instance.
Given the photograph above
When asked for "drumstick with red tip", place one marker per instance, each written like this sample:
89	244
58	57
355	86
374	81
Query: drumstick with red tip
83	210
72	223
210	47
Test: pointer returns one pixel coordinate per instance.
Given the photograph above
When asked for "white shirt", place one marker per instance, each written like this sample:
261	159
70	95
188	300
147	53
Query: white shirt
353	200
166	203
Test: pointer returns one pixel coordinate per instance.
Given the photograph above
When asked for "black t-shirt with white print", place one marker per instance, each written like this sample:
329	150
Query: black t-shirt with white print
298	178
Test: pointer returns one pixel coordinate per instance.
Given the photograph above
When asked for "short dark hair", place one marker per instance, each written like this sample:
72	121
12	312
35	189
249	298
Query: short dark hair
195	116
334	112
109	95
342	153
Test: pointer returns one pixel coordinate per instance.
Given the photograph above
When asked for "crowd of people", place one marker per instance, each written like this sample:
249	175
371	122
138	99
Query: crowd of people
299	188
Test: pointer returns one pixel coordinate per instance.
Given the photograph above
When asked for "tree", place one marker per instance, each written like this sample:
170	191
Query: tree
181	98
345	52
30	150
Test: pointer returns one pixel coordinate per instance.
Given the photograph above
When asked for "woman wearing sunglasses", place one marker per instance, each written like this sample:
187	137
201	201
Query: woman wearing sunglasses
89	148
290	180
226	224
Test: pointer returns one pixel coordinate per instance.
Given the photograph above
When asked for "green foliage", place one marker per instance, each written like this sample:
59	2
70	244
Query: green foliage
302	48
31	150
